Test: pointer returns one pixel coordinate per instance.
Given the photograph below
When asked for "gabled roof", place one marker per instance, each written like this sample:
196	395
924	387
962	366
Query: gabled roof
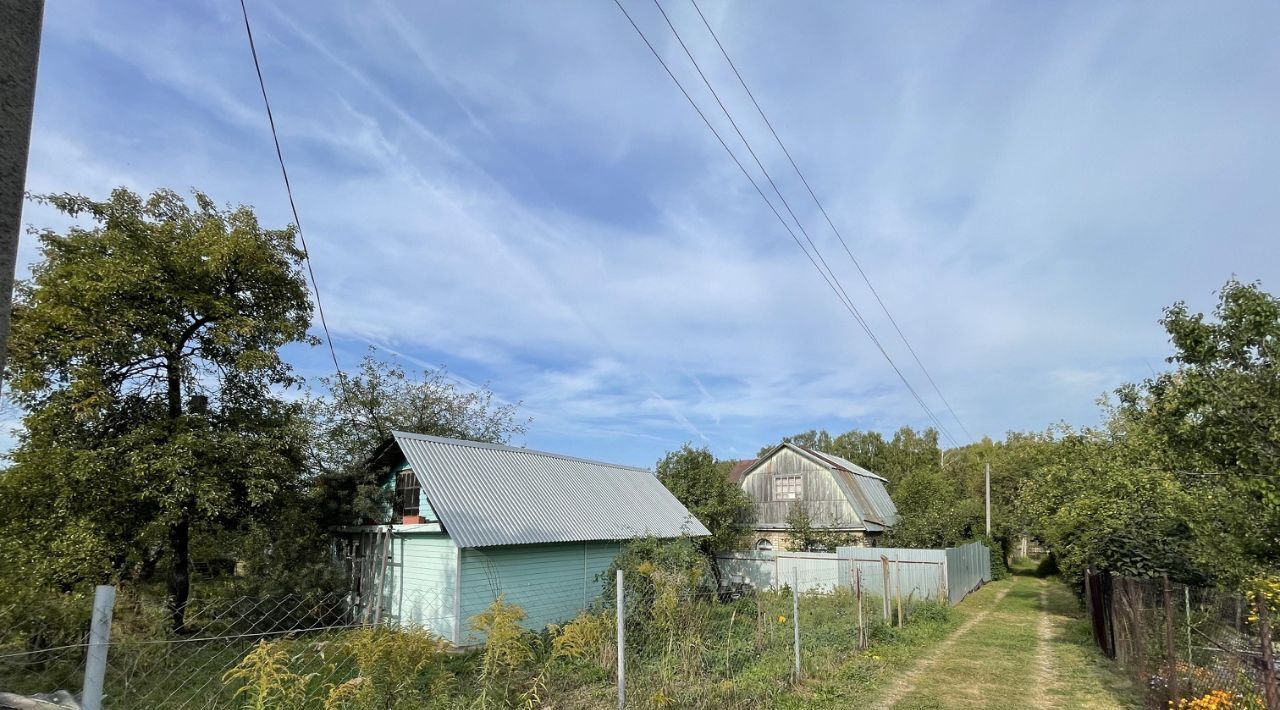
486	494
865	491
739	470
874	504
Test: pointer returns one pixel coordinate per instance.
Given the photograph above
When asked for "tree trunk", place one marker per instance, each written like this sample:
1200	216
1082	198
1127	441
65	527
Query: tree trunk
179	582
180	572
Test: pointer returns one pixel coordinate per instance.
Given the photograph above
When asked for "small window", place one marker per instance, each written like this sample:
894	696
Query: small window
406	502
786	487
764	545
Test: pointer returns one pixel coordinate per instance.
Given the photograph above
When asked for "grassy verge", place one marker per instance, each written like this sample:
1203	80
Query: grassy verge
700	653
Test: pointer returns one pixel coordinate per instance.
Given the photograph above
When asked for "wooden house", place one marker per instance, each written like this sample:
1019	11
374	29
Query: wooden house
473	521
838	496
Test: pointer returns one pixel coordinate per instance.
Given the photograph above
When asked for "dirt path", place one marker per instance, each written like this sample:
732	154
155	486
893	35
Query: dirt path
905	684
1022	645
1045	678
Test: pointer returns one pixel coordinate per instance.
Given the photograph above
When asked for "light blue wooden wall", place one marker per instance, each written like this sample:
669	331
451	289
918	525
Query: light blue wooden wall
551	582
422	582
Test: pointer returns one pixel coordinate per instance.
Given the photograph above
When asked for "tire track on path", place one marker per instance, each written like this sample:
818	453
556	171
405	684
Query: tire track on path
906	683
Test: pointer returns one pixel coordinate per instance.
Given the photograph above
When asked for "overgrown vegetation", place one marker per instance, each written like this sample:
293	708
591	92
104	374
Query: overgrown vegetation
690	650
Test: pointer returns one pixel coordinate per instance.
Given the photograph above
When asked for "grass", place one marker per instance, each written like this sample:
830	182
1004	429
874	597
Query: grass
1029	648
1024	644
715	655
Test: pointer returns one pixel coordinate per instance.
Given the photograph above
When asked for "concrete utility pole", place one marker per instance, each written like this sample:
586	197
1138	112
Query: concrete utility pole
988	500
20	22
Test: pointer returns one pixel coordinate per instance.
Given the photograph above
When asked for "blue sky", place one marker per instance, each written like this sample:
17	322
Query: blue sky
517	191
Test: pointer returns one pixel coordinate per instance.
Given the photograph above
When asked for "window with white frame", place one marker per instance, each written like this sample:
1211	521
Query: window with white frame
786	487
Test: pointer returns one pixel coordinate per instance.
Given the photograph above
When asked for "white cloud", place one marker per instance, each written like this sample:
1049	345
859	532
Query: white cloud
524	195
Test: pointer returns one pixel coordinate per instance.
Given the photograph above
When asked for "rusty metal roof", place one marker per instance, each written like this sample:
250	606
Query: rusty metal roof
870	496
486	495
739	471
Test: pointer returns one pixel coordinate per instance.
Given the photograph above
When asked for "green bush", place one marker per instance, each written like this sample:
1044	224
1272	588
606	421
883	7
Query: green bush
1048	566
931	611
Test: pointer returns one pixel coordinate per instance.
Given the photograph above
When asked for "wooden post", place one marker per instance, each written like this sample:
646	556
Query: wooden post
1171	648
1138	637
862	629
988	490
942	580
897	574
382	576
1270	693
888	593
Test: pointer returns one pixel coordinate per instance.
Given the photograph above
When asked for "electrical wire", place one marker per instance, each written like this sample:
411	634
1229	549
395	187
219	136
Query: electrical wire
830	222
284	172
832	285
786	205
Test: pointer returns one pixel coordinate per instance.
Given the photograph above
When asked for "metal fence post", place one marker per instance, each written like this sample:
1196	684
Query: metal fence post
795	614
622	646
95	667
1186	601
1271	693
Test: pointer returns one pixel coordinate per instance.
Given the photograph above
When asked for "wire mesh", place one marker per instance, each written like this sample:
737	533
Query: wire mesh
43	645
1183	643
688	639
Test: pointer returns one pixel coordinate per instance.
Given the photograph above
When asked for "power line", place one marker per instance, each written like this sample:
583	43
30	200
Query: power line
760	164
306	253
830	222
848	304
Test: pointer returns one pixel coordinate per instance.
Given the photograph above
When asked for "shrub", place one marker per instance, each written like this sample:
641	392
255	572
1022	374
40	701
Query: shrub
395	668
588	637
507	647
662	578
265	679
1048	566
932	611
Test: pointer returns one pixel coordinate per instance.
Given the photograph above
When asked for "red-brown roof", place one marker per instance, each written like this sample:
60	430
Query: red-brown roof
740	468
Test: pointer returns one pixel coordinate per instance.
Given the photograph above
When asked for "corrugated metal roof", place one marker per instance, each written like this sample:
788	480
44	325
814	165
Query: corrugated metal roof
871	496
486	495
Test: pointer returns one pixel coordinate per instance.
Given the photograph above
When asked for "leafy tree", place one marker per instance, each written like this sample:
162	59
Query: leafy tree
359	411
802	536
696	480
934	511
145	353
1214	417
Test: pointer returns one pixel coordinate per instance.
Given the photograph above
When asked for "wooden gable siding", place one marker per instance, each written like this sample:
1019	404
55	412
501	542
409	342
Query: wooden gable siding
821	495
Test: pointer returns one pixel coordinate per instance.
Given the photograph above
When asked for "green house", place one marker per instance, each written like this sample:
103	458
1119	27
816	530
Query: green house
472	521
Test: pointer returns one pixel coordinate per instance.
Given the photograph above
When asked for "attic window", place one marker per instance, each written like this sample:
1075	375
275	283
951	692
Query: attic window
786	487
407	493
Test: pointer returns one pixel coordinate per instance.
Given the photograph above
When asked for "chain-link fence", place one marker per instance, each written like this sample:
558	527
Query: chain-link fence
42	645
1185	645
683	642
